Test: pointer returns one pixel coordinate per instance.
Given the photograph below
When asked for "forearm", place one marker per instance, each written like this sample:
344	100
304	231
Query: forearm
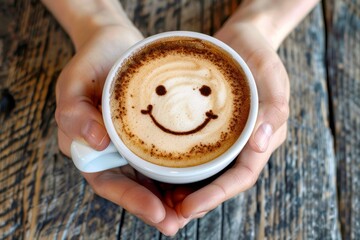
274	19
81	18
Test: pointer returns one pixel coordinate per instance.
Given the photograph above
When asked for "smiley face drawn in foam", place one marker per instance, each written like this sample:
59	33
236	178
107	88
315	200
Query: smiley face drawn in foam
161	90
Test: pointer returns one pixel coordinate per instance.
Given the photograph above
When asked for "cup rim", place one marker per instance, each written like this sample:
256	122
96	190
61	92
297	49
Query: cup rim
183	174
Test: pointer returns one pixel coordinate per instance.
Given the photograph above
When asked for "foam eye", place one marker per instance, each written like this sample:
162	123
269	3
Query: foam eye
160	90
205	90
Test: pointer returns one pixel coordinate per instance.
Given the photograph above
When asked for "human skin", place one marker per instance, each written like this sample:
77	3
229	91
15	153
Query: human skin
101	32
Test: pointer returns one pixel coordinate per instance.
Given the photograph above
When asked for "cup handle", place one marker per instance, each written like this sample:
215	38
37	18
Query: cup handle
89	160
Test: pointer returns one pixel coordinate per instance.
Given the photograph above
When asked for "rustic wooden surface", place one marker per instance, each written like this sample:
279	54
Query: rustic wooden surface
310	189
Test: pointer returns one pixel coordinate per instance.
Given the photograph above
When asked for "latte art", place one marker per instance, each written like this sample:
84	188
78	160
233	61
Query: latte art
209	116
180	102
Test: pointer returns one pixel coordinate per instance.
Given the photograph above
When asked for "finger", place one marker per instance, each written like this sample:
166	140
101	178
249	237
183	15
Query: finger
79	119
176	195
171	223
237	179
135	198
78	95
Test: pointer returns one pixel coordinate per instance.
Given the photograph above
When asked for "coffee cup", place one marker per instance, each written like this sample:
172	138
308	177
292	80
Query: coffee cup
178	106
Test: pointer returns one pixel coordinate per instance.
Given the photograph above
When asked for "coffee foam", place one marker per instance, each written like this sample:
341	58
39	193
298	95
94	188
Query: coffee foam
180	102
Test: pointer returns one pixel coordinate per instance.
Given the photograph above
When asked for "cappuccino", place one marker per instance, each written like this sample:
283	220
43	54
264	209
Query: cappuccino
179	102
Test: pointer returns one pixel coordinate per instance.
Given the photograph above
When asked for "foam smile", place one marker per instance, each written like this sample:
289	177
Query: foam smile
209	116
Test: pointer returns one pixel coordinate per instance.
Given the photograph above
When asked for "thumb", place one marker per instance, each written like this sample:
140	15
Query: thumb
81	120
272	115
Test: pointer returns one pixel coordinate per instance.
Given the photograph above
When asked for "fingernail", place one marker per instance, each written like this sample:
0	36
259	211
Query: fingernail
198	215
262	136
94	133
146	219
153	218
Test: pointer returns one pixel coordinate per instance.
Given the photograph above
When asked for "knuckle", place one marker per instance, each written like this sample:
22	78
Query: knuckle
265	61
245	177
281	107
65	113
271	66
251	180
251	176
61	112
268	65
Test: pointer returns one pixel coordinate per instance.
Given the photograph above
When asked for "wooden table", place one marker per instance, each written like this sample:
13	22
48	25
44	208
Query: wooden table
310	189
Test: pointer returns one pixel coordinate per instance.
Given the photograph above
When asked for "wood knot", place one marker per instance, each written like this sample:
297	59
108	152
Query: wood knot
7	102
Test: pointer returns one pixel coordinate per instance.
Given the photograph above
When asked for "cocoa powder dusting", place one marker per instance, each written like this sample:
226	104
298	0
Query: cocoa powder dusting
196	48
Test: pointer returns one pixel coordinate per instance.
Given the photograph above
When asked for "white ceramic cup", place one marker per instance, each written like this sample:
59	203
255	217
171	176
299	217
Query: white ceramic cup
117	154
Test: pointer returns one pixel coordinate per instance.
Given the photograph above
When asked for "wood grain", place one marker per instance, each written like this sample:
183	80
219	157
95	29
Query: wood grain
309	156
343	23
308	190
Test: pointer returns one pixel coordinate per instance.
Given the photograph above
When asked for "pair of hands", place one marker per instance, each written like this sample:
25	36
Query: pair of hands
169	207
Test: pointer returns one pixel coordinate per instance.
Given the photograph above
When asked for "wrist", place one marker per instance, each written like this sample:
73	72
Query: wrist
83	18
91	25
273	19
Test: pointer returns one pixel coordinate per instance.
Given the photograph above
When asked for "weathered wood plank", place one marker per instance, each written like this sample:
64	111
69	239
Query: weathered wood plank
152	17
43	196
343	58
306	205
303	169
